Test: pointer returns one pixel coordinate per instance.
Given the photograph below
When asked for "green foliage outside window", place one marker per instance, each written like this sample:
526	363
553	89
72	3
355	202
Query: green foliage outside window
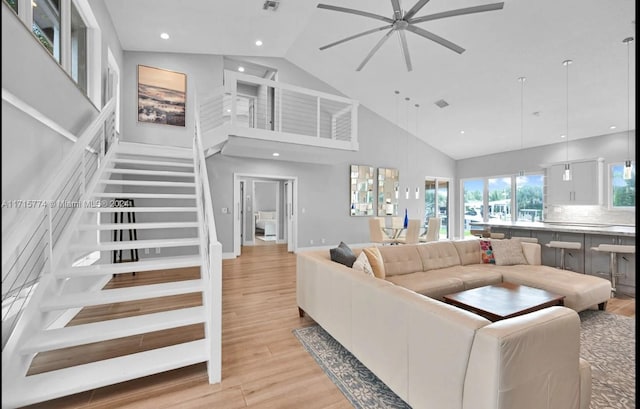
624	191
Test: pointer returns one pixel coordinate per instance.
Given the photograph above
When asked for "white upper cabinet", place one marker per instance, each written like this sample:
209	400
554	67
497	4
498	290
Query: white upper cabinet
584	188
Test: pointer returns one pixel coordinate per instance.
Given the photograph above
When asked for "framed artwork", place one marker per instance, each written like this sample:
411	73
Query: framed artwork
162	96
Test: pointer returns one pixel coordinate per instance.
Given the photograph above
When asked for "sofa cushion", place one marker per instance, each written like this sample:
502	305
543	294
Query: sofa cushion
468	251
486	252
581	291
343	255
375	260
400	259
439	254
433	284
362	264
508	252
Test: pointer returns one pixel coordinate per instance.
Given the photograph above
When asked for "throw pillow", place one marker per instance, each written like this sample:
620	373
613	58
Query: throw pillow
486	251
508	252
375	259
362	264
343	255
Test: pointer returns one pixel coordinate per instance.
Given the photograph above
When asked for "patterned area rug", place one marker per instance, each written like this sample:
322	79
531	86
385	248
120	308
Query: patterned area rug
608	342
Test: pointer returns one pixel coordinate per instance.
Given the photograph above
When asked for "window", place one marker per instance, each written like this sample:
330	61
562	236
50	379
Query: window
68	30
622	193
500	199
529	193
78	49
436	203
472	194
46	25
509	198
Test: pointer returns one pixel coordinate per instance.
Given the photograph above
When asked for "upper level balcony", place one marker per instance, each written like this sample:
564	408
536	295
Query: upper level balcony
268	111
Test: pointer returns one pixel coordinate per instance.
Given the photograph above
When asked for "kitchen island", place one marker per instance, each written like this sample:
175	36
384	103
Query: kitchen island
585	260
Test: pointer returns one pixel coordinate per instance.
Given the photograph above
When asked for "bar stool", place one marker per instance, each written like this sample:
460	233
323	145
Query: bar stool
564	245
496	235
613	250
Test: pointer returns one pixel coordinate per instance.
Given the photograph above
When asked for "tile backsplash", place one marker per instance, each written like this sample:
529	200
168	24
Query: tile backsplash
589	214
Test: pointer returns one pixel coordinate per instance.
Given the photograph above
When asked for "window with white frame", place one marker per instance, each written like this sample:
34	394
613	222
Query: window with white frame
68	30
622	192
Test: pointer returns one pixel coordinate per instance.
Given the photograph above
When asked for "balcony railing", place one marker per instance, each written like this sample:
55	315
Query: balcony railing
254	107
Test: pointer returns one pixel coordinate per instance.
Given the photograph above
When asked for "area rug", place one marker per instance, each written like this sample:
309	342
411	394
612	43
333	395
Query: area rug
607	341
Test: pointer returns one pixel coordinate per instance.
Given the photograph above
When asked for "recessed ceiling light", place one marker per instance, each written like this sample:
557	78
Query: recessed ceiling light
612	127
563	136
275	154
164	36
241	69
258	43
461	132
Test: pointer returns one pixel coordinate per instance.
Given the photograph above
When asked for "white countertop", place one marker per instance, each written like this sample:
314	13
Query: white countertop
586	228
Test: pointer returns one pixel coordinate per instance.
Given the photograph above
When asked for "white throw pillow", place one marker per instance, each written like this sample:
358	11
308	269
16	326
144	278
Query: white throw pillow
362	264
508	252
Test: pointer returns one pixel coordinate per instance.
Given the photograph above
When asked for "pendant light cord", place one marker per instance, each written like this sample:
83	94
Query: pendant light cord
567	63
628	41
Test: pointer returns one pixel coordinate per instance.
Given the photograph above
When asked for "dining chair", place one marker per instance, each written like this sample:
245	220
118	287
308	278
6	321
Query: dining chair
412	233
377	233
433	230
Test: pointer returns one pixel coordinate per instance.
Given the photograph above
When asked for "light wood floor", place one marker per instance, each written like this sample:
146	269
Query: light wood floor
264	365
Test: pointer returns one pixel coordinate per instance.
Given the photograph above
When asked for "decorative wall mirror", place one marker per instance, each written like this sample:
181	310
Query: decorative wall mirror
362	190
388	190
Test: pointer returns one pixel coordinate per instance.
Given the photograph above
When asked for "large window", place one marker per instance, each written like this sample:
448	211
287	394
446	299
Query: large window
78	49
529	193
473	203
622	192
508	198
436	203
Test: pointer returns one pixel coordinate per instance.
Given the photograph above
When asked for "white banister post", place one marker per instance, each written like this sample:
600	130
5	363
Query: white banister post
49	216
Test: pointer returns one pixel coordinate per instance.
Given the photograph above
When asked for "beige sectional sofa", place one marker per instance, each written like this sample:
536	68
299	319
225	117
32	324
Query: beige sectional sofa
439	268
434	355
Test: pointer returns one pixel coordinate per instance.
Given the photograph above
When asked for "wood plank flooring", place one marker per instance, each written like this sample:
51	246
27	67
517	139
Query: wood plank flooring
264	366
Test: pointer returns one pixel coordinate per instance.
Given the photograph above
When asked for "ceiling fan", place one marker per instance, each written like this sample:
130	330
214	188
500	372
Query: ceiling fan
402	21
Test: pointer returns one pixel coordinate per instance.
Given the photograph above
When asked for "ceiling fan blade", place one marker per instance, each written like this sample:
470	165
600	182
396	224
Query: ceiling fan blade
364	33
405	49
416	8
397	10
427	34
357	12
375	49
458	12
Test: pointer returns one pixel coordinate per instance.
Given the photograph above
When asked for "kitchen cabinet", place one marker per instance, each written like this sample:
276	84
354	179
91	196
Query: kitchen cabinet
597	262
573	259
584	188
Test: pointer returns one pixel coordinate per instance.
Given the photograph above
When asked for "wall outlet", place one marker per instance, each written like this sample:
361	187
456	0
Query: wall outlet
225	210
311	241
157	250
146	251
323	241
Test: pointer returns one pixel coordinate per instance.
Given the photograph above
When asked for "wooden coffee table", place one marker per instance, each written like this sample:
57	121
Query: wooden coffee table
504	300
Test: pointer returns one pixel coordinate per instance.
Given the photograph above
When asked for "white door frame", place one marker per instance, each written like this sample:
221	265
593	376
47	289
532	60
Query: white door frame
292	220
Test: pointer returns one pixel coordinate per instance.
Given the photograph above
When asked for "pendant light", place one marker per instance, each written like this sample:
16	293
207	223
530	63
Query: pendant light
627	164
417	117
522	80
407	99
566	176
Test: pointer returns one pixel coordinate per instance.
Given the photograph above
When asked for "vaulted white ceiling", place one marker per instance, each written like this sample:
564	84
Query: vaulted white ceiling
525	39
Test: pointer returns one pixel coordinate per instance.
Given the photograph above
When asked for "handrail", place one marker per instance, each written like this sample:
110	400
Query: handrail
28	249
211	252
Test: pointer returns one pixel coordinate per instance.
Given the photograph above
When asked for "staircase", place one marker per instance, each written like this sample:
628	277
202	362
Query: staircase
171	233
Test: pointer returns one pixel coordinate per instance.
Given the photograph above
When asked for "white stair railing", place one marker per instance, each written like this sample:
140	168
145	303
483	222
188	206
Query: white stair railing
211	251
28	251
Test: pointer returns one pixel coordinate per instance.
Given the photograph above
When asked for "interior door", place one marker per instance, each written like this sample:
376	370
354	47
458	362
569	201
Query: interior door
288	187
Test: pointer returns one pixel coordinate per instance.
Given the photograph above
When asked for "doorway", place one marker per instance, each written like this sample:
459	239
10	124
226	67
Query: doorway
264	209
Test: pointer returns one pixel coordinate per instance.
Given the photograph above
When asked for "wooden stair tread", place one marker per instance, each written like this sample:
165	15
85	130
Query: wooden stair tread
68	381
75	300
75	335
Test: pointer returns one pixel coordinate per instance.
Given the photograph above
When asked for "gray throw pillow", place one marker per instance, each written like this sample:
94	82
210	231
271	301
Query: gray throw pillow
508	252
343	255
